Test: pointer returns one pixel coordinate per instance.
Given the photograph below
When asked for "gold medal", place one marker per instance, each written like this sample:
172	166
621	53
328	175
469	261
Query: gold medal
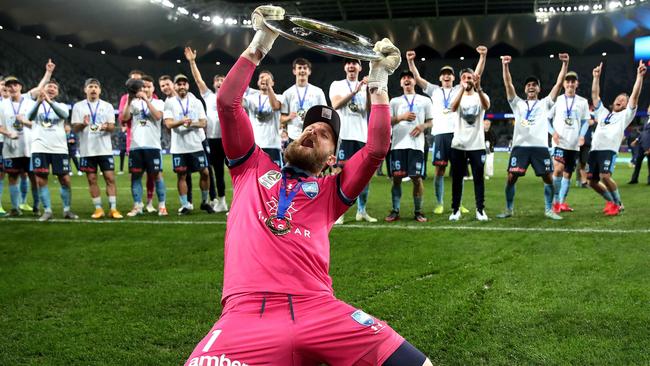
446	111
525	123
301	113
94	127
568	121
353	107
18	125
278	226
47	123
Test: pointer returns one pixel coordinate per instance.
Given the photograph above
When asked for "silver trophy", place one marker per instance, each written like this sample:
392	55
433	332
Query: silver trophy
324	37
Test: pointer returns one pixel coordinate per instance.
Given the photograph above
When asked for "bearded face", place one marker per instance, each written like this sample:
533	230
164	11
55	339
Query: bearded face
313	149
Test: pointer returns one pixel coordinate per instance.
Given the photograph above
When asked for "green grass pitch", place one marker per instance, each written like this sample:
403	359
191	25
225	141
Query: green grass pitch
522	291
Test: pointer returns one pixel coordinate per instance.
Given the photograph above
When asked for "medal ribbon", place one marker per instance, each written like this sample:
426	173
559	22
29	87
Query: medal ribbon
530	109
609	116
46	112
446	98
354	96
411	103
260	105
17	111
301	101
93	115
145	110
185	110
285	199
569	109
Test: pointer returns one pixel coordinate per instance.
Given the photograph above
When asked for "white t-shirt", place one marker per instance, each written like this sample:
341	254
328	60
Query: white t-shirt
92	141
311	95
531	121
576	109
145	130
48	131
423	109
354	125
611	128
267	128
444	120
20	147
185	139
469	134
213	128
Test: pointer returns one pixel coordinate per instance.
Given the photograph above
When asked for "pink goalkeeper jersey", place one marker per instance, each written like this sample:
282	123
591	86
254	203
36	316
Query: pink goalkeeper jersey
295	263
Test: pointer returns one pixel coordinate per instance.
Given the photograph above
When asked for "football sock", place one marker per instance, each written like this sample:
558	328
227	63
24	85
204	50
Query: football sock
564	189
204	196
439	185
363	199
97	201
24	187
66	197
417	203
607	195
112	200
396	193
510	196
136	189
2	186
183	199
616	196
44	193
557	186
161	191
14	193
548	196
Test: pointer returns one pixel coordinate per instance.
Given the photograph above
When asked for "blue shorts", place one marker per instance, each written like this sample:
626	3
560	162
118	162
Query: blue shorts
522	156
189	162
406	163
89	164
41	163
347	149
566	157
145	160
600	162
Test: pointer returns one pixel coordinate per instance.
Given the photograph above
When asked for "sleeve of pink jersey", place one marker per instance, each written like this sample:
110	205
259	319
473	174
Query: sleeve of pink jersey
121	107
236	129
358	171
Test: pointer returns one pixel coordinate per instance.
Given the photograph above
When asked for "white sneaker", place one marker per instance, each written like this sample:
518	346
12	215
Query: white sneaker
150	208
190	206
136	211
219	204
364	216
70	173
79	173
481	215
120	173
552	215
487	177
339	221
455	216
406	179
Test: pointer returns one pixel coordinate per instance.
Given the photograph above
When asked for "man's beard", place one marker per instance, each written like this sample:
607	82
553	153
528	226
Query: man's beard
311	160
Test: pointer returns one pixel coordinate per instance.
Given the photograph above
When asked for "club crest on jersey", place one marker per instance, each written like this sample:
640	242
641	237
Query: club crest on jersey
310	189
363	318
270	178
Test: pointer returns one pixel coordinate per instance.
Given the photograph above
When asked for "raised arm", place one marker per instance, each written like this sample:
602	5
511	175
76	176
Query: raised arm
456	103
190	55
507	78
485	102
273	98
564	57
410	60
636	90
595	85
482	52
49	69
362	166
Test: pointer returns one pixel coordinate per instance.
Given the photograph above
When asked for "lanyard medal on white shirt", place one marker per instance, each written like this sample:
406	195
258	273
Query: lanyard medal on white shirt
445	100
301	102
568	119
47	122
354	107
262	115
186	110
144	113
529	110
93	116
411	103
17	124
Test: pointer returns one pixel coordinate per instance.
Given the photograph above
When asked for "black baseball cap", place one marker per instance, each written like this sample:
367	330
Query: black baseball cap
571	75
446	68
12	79
180	77
533	79
351	61
323	113
406	73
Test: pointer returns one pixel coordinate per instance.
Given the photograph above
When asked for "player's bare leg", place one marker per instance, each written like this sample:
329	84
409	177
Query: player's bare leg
111	191
418	193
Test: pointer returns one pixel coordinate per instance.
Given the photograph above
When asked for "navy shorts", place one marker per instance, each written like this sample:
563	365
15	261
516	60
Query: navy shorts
41	163
521	157
89	164
347	149
407	163
600	162
17	165
442	149
584	153
275	155
566	157
189	162
145	160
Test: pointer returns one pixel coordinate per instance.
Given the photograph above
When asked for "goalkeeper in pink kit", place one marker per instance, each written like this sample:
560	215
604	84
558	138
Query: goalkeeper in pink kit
278	304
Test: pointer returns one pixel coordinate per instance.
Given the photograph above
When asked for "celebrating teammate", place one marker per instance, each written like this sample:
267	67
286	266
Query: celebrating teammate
185	116
94	121
444	120
530	138
145	114
348	98
607	138
411	115
570	123
276	274
50	148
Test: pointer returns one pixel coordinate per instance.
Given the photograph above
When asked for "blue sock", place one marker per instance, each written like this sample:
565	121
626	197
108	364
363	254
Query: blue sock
14	193
183	199
204	196
557	186
136	189
2	187
24	187
548	196
66	197
439	185
564	189
363	199
616	196
417	203
510	196
161	191
607	195
396	193
44	193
